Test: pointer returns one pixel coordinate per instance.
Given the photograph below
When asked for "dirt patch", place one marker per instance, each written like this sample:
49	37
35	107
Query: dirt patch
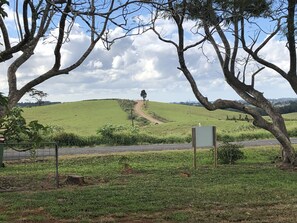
11	183
35	215
134	218
139	111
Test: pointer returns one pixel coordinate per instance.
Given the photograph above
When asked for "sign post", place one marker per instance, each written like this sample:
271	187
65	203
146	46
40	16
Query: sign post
1	152
204	136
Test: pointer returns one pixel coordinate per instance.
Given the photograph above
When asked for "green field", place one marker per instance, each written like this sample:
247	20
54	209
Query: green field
182	117
151	187
86	117
83	118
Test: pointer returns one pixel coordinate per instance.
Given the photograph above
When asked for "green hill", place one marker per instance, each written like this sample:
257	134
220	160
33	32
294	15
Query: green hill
82	118
181	118
85	117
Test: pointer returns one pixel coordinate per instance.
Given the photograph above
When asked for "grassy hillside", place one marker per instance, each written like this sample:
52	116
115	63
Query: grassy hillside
82	118
85	117
181	118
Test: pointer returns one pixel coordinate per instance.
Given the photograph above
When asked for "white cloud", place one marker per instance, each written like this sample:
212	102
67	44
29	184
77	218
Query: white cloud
148	71
277	53
141	62
118	62
94	64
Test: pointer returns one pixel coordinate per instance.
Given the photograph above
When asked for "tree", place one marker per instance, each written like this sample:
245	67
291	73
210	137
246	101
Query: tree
52	22
223	25
37	95
143	94
2	11
3	100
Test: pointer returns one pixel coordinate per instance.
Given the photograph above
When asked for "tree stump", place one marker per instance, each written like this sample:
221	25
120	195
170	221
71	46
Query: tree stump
75	180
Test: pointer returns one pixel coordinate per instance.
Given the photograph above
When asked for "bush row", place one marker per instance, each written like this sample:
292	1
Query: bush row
71	139
121	135
250	135
243	136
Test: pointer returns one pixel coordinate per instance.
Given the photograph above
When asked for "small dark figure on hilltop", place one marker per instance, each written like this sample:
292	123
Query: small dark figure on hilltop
143	94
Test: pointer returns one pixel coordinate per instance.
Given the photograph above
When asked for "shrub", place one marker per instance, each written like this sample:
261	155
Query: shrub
226	138
292	132
142	121
108	130
118	135
15	129
71	139
127	135
229	153
126	105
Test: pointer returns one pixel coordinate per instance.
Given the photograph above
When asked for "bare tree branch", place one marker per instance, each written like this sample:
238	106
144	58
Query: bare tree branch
227	51
42	16
254	74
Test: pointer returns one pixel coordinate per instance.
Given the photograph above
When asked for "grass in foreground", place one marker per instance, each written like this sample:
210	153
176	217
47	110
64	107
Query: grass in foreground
152	187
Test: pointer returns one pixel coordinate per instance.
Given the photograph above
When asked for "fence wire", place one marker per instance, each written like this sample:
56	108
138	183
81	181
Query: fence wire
16	153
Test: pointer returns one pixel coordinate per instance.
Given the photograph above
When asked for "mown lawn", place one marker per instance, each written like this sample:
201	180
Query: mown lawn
151	187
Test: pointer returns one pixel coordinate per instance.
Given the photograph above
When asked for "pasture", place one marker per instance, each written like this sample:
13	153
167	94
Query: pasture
84	118
151	187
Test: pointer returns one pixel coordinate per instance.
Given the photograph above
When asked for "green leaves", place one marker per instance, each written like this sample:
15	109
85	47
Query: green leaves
3	99
15	129
143	94
229	153
118	134
252	8
227	11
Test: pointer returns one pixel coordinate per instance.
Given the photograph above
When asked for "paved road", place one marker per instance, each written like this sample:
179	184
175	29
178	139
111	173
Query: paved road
13	155
10	154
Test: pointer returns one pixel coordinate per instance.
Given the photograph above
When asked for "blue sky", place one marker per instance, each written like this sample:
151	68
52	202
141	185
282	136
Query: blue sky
142	62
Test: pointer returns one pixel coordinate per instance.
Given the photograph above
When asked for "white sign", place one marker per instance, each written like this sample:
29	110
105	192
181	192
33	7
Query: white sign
204	136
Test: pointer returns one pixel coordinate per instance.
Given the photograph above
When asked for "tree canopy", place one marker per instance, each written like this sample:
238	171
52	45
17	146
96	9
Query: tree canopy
53	22
37	95
143	94
234	30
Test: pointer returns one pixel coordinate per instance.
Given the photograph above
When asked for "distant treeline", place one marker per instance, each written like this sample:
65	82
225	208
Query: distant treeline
284	106
190	103
288	108
32	104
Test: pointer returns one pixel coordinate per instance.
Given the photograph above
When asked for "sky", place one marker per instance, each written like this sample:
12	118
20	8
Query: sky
141	63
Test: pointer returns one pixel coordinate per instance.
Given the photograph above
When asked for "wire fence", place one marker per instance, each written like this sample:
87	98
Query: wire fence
24	151
14	152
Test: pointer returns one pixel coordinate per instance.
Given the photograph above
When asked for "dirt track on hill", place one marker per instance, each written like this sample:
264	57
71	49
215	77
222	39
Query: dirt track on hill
138	110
